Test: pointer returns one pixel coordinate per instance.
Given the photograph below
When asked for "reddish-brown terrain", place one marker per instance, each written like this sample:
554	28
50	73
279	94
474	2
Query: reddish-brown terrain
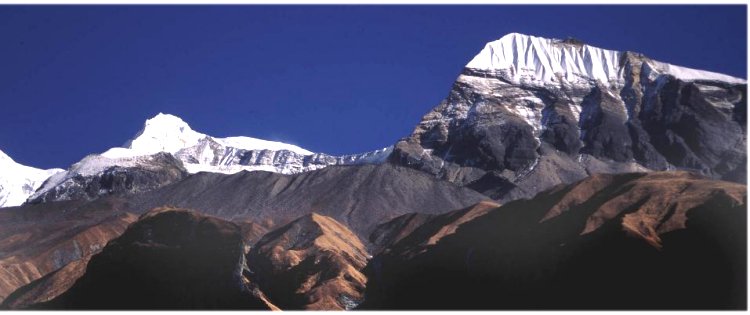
47	287
419	230
312	263
169	259
36	240
663	240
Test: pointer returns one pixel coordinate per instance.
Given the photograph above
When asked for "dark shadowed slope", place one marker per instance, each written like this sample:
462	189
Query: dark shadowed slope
419	230
359	197
312	263
169	259
390	232
665	240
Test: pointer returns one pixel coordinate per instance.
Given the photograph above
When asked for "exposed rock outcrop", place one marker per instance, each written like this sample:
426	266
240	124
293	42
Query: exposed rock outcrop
97	176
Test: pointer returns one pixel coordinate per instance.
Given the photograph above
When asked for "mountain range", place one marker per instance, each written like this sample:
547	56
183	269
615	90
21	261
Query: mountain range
554	175
167	150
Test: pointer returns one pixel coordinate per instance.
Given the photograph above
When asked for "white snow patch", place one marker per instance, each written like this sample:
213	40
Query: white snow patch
576	110
528	114
687	74
228	169
248	143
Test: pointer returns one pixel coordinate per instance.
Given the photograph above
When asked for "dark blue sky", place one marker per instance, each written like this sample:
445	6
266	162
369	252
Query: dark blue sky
76	80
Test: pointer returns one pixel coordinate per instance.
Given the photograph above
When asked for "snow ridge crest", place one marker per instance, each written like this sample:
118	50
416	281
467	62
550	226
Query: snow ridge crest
525	59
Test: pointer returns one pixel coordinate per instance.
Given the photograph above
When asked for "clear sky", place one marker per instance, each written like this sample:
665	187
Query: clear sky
76	80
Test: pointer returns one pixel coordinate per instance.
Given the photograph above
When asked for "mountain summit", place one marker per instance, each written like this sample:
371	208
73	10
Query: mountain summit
169	133
538	61
528	113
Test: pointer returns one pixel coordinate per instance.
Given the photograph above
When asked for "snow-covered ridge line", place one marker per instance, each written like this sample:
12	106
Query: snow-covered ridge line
169	133
525	59
18	182
197	152
200	152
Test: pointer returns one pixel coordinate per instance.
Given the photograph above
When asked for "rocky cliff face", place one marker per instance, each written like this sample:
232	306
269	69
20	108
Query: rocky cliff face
97	176
662	240
311	263
528	113
168	259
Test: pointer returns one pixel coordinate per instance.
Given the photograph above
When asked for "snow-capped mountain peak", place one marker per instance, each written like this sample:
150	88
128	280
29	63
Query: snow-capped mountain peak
18	182
525	59
164	132
528	113
169	133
